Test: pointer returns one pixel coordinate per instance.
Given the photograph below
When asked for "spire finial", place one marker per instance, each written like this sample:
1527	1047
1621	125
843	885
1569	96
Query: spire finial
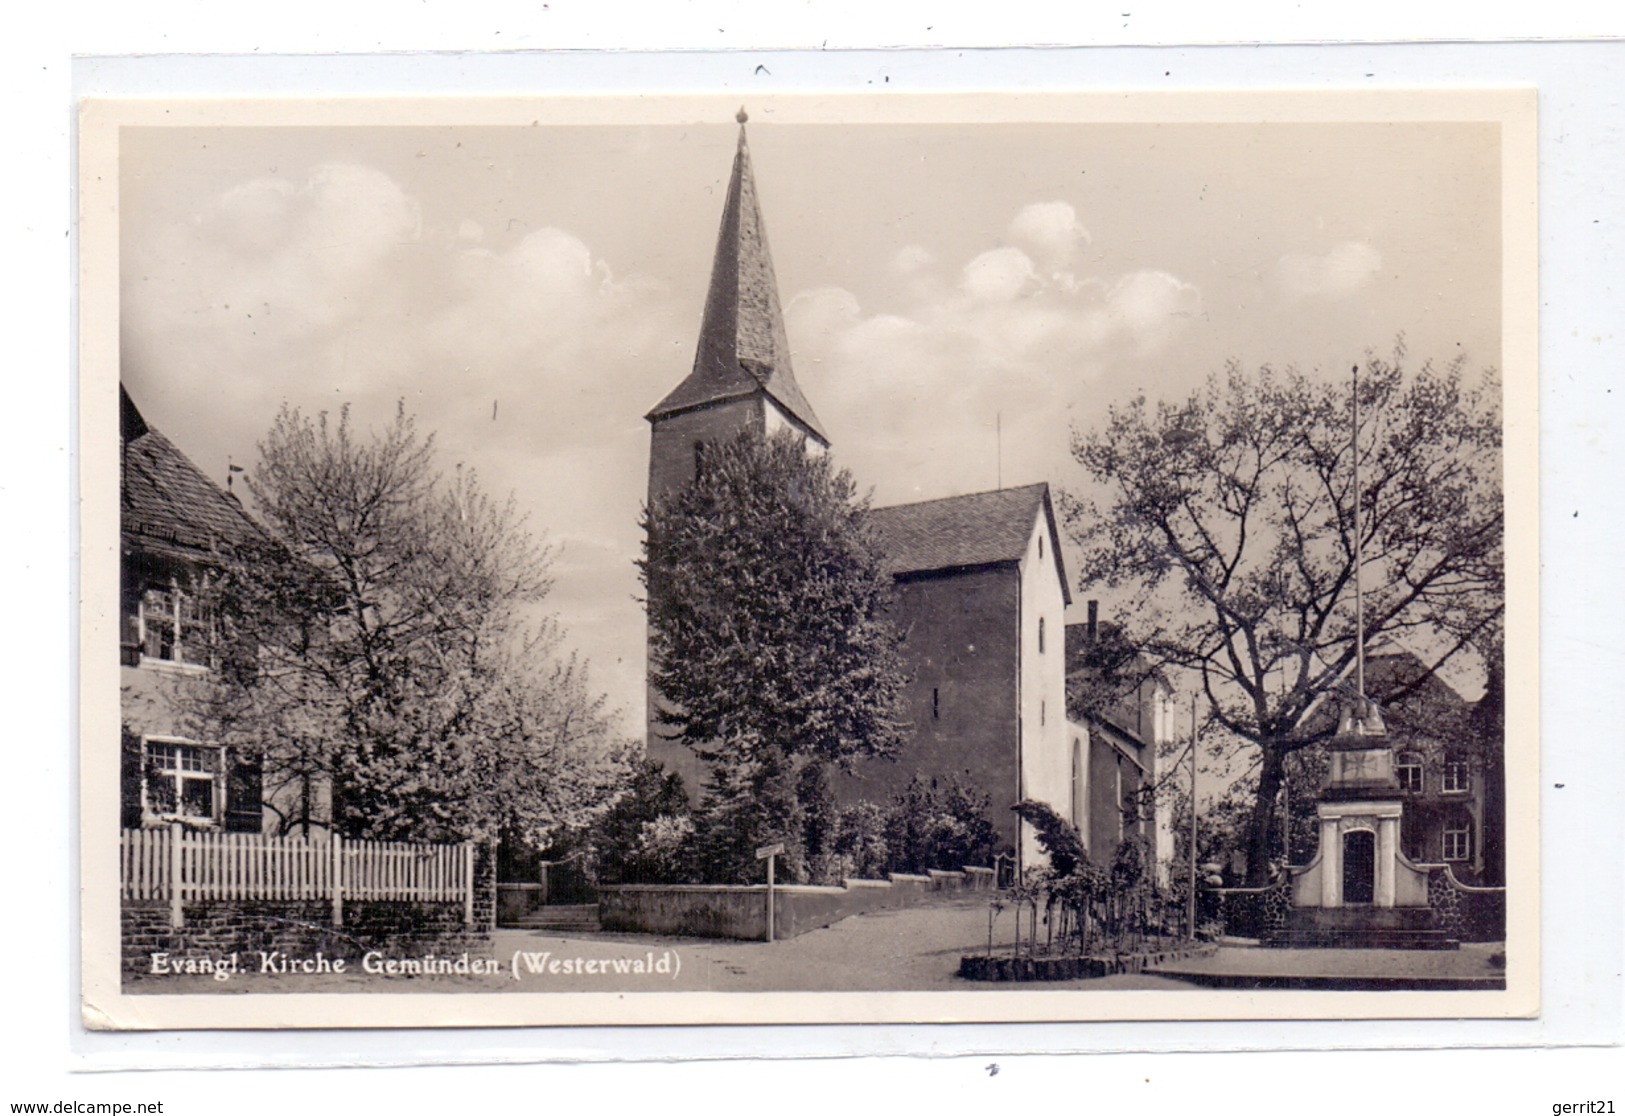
741	115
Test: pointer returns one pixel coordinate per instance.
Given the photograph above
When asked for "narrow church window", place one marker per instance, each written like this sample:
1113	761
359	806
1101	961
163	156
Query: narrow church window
699	456
1077	783
1041	708
1040	635
936	706
1040	546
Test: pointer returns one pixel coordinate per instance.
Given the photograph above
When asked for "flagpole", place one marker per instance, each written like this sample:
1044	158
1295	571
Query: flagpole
1359	556
1190	897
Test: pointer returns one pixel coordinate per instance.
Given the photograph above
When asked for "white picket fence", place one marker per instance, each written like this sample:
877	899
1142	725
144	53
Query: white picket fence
182	867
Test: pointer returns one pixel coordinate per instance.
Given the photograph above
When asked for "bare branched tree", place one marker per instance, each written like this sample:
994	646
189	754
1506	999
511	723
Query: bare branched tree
1228	522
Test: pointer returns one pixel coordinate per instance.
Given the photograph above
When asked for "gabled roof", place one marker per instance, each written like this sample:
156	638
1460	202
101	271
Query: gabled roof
980	529
167	505
1399	682
742	349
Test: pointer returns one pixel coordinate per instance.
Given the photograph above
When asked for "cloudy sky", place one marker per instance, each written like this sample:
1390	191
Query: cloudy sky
531	292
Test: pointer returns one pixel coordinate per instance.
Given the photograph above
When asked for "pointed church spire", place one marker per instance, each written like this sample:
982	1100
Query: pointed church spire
742	348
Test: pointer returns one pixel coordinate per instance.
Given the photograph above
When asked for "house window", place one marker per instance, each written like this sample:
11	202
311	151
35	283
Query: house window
1456	842
181	781
1040	635
1457	779
1408	770
176	627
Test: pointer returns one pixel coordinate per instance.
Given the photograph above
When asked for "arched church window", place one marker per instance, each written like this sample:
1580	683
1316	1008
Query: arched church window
1077	783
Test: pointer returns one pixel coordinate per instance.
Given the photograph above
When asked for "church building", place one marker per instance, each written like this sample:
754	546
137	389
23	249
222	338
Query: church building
981	586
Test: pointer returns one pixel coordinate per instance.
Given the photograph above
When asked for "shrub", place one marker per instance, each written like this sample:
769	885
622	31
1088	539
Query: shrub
647	836
944	827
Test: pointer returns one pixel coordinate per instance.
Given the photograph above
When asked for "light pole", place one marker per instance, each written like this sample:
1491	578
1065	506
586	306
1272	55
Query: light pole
1190	897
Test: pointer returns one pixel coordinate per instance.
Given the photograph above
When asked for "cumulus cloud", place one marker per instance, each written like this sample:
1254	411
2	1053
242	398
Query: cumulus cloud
998	275
530	359
1006	339
1337	274
1151	305
1052	229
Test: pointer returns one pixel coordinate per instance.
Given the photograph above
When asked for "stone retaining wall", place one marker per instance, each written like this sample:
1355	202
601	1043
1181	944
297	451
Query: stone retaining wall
1004	969
217	928
716	911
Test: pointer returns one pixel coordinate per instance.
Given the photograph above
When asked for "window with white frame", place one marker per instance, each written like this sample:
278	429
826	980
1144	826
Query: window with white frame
176	627
1456	841
181	781
1457	777
1408	770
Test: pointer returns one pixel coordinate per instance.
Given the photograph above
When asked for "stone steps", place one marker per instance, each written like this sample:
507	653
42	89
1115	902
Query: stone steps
1367	938
576	917
1361	928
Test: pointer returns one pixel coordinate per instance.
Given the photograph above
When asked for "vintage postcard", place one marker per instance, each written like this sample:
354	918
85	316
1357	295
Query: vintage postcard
591	560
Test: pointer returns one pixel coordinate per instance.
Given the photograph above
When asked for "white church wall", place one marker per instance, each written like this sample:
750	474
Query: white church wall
1046	756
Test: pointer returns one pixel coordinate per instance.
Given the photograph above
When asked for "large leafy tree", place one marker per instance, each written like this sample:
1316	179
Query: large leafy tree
385	652
1227	518
769	646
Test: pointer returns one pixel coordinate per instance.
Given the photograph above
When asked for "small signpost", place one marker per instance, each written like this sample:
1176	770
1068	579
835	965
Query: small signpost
767	853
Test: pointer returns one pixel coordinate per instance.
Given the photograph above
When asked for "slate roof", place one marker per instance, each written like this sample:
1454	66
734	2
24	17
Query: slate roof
742	349
167	504
975	530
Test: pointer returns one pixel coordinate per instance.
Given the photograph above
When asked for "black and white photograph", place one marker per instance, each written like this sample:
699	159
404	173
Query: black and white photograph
815	559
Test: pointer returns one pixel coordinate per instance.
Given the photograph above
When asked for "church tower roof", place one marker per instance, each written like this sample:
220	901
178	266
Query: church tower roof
742	349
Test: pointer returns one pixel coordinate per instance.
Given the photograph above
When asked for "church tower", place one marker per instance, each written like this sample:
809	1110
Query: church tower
742	377
741	380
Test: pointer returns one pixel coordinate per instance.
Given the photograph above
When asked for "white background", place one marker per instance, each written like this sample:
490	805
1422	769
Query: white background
47	1058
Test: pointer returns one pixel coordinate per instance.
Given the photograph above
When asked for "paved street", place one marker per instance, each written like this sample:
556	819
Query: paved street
906	950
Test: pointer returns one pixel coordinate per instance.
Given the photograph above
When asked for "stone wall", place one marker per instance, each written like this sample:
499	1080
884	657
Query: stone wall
707	911
1472	914
218	928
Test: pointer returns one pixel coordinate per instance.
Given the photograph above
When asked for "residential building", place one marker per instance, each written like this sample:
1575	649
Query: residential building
1122	710
175	525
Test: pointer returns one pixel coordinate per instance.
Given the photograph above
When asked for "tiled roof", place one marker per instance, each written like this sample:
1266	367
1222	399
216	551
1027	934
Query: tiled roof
167	504
742	348
974	530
